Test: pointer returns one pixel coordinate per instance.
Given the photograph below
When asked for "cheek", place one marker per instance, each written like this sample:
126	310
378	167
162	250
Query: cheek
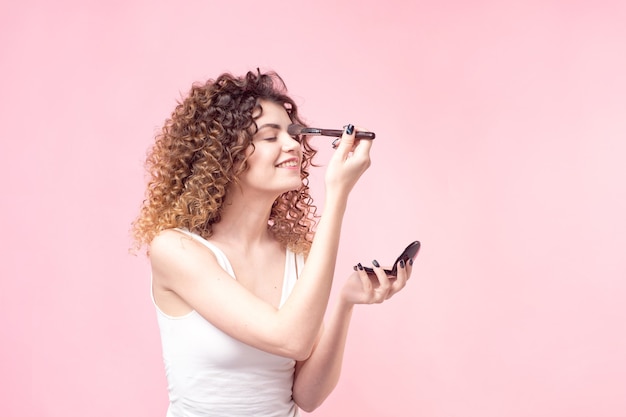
252	156
260	161
254	159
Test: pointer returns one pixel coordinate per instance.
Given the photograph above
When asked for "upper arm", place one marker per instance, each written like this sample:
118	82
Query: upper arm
184	266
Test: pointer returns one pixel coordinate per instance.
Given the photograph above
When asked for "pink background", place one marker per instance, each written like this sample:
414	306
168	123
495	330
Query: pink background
501	144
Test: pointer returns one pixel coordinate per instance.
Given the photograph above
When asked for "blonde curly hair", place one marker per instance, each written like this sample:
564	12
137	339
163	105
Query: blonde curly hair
201	149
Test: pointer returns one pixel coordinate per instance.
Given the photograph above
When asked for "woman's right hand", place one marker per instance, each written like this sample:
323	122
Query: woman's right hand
348	163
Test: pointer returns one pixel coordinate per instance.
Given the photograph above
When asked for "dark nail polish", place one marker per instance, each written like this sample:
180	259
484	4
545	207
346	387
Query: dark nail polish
401	263
350	129
375	263
359	266
411	261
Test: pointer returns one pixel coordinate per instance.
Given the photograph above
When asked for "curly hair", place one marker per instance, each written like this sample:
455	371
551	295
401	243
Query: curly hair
201	149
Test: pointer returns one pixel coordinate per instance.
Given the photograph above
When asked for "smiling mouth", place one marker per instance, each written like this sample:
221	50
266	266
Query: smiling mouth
288	164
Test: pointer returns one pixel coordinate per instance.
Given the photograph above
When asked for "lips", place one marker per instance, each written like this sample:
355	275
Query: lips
290	163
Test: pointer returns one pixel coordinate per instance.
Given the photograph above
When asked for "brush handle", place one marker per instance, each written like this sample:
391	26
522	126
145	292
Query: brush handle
339	133
335	133
296	129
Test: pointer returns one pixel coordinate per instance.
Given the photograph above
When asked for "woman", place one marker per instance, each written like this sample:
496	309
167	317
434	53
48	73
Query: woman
229	221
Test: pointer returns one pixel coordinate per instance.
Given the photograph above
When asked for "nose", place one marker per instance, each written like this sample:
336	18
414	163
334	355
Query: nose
289	143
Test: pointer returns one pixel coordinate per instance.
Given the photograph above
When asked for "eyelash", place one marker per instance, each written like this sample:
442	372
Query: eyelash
297	138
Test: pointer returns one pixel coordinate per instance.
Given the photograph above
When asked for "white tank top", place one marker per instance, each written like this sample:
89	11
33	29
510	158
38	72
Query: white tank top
211	374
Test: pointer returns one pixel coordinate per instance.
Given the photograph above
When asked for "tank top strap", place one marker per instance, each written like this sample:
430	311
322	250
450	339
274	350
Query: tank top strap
222	260
293	267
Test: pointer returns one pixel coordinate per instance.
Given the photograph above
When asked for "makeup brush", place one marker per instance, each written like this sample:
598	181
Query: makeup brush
296	129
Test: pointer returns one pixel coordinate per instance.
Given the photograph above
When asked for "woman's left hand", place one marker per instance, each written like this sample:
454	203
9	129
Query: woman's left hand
361	288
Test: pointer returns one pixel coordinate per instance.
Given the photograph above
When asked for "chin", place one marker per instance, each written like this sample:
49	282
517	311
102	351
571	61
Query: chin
294	187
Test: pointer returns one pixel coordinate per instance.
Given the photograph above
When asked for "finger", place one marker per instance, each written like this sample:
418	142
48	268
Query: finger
365	281
385	285
347	141
409	268
362	146
401	279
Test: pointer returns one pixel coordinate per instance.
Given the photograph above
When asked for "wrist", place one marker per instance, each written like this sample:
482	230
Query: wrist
344	305
336	200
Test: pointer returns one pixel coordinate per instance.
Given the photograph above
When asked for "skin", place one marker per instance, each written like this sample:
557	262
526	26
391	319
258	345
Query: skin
186	275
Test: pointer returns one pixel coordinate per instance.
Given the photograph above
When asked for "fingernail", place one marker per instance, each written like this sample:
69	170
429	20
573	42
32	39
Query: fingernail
335	143
375	263
349	129
401	263
359	266
411	261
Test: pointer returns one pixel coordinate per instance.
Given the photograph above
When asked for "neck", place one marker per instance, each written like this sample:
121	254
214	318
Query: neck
244	219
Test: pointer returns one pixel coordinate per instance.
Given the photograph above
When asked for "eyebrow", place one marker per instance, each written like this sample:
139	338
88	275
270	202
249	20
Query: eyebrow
272	125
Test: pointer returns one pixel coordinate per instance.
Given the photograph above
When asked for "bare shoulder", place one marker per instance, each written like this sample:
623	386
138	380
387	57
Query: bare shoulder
171	243
175	254
168	240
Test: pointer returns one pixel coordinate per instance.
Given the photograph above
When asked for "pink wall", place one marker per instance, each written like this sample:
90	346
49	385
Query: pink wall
501	145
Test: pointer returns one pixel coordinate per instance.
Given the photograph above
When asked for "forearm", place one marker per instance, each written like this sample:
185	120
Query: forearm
305	308
304	311
316	377
322	256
